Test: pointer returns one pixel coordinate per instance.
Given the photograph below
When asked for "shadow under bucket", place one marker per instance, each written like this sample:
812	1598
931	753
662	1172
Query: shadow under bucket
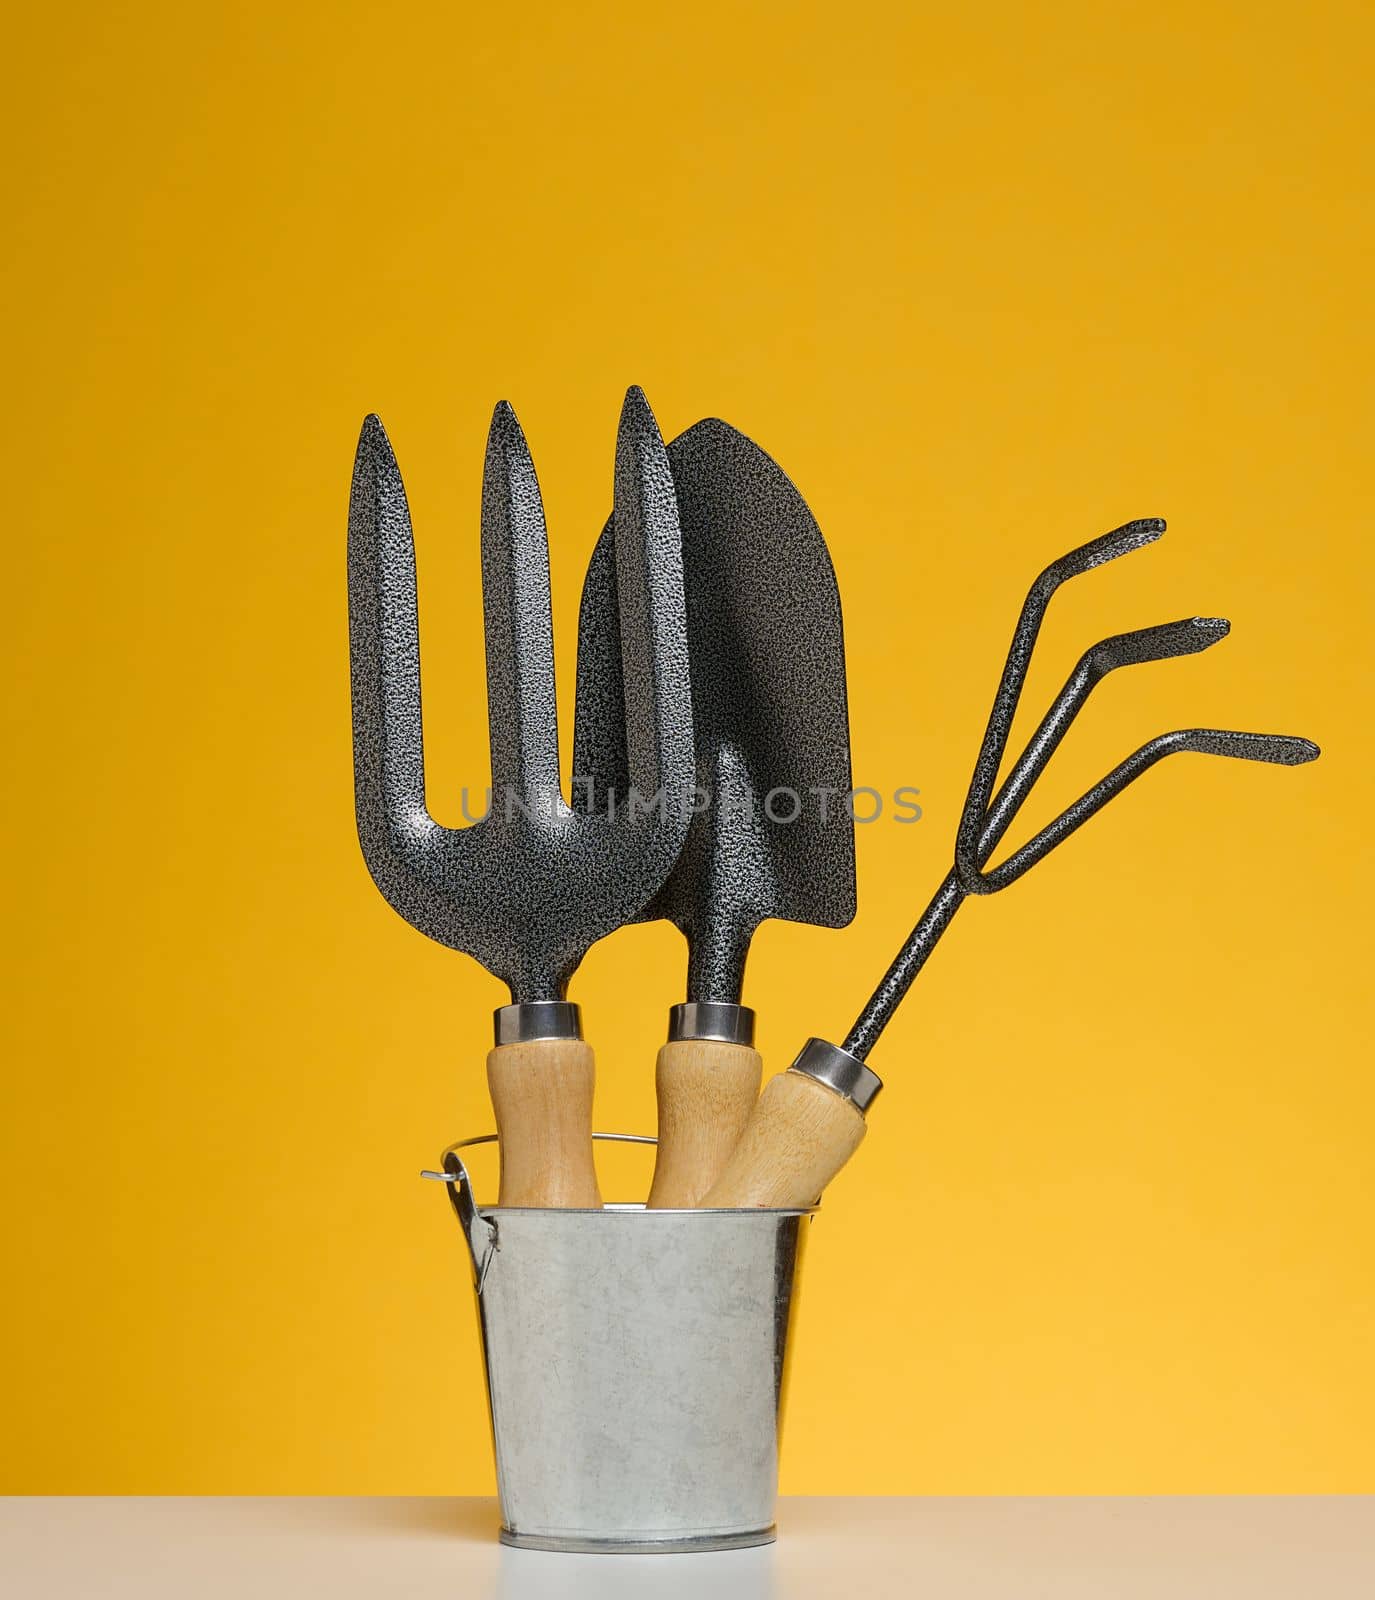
636	1363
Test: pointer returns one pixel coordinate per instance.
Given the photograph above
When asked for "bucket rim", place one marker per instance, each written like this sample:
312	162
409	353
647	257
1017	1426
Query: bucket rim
455	1173
625	1208
480	1222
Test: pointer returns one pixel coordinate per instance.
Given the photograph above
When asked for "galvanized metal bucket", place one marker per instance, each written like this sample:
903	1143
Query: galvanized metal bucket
636	1363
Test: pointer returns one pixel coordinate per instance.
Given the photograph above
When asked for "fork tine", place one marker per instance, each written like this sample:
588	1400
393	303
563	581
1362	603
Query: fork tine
653	621
1274	748
384	650
521	705
599	722
1107	547
1159	643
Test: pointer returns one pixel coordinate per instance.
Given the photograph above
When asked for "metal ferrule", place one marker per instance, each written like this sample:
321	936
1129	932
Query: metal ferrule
711	1019
537	1019
839	1070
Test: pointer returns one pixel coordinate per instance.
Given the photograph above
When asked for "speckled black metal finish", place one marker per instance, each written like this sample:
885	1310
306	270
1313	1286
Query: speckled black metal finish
532	885
1161	643
769	709
1121	541
986	820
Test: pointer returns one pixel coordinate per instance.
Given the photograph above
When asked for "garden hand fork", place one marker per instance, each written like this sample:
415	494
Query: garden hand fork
532	885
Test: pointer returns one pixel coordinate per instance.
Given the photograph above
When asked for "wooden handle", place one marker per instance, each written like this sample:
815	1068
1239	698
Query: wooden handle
542	1094
799	1136
707	1089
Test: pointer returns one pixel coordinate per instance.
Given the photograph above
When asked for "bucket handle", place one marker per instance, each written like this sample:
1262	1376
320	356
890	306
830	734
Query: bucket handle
481	1232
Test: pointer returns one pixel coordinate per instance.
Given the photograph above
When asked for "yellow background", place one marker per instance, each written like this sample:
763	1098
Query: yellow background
987	281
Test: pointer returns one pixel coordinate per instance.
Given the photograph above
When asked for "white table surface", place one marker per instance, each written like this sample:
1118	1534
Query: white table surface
948	1549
